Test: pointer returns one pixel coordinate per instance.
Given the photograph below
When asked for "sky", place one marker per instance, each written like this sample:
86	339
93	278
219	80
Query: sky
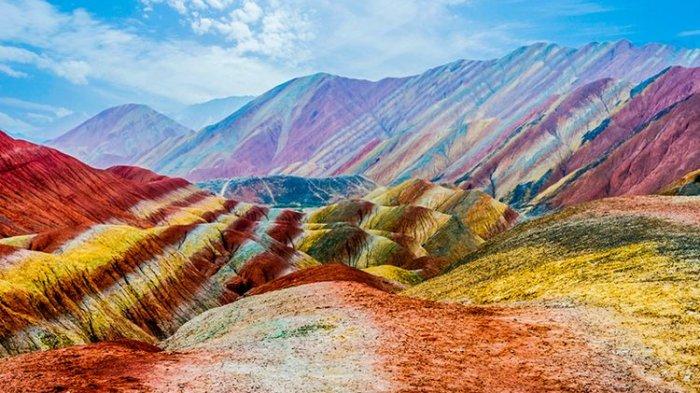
65	60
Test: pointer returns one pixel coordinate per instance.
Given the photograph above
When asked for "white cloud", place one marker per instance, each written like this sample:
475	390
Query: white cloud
12	125
38	117
689	33
9	71
249	13
240	47
79	48
388	38
56	111
259	27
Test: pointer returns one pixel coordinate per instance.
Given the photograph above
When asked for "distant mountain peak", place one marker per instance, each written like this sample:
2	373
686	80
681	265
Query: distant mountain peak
203	114
119	135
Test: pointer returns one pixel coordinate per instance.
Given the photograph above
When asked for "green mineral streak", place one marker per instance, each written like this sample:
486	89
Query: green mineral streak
302	331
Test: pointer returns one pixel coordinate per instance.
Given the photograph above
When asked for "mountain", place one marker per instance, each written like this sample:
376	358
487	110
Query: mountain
173	287
44	189
92	255
321	337
206	113
290	191
438	125
628	265
314	106
119	135
548	331
599	141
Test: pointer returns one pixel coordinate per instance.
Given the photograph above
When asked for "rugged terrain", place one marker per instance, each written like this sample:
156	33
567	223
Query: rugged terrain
290	191
340	337
525	127
633	259
531	224
159	251
415	287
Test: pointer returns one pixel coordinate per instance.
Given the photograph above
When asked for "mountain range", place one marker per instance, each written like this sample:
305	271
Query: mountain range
526	127
92	254
529	223
123	279
438	124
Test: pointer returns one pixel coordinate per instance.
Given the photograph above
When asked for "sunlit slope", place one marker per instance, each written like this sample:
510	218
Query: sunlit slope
88	255
192	251
397	225
482	214
638	257
112	281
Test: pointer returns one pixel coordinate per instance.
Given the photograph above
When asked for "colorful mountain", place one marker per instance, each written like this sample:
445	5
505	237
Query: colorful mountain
649	142
123	279
345	336
91	255
290	191
119	135
44	189
628	265
185	290
199	115
448	124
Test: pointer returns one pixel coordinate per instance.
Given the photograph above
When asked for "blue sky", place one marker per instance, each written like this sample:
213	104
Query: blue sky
61	61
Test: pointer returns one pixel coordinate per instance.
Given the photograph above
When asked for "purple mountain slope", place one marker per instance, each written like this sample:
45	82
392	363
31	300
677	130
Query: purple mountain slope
119	135
440	124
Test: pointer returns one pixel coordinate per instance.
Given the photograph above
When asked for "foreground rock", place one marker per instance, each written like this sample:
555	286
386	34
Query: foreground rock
636	258
344	337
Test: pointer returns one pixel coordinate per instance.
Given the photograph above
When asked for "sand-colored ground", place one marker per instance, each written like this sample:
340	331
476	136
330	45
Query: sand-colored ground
344	337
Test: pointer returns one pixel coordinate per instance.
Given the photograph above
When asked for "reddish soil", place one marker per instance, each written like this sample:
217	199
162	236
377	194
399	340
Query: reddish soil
428	266
662	152
105	367
437	347
135	173
323	273
424	347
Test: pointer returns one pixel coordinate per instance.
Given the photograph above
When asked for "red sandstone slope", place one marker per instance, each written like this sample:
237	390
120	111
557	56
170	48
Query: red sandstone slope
325	273
137	174
345	336
664	150
653	140
42	189
663	91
